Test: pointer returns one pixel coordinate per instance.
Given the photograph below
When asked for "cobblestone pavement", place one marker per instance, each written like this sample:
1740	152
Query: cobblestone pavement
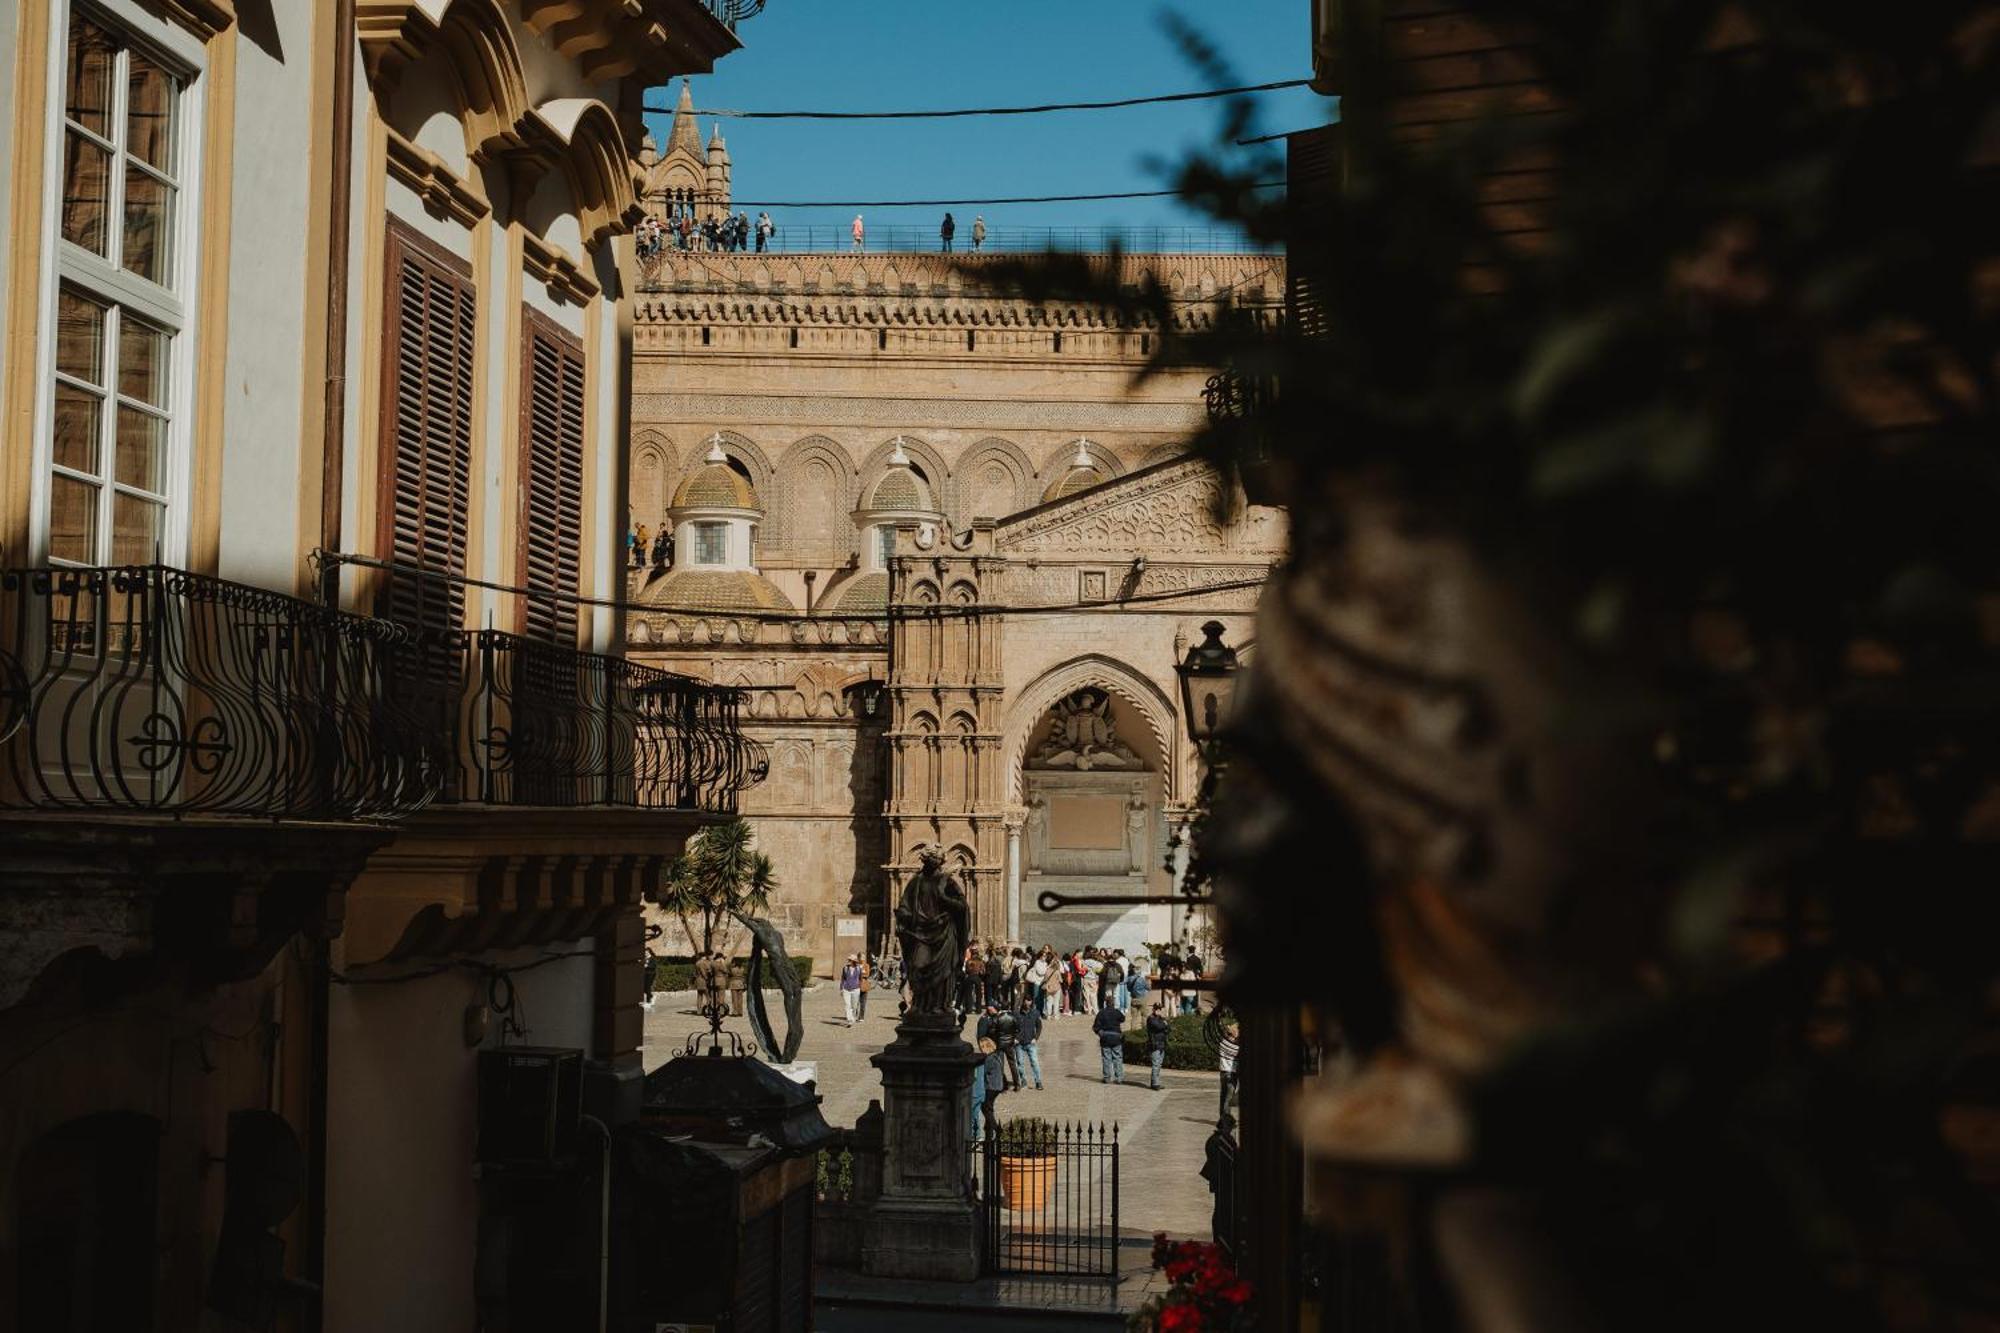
1161	1134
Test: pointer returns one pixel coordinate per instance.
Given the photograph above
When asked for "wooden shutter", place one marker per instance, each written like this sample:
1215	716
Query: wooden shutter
428	385
551	540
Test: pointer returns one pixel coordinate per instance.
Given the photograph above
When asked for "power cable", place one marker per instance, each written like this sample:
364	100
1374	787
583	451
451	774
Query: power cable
1041	109
963	203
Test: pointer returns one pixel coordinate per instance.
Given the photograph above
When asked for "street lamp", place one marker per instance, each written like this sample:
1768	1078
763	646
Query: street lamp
1208	681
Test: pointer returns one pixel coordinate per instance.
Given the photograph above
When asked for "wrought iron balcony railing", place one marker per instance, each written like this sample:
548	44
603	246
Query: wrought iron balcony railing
732	12
547	726
145	689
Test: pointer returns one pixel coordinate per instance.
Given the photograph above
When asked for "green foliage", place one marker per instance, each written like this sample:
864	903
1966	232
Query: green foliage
1720	442
720	872
677	974
1187	1045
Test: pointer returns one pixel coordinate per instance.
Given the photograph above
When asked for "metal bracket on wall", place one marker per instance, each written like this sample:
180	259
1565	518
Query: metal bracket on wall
1051	901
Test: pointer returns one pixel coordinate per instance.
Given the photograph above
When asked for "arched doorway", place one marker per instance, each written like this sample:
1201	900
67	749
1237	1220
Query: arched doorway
1089	762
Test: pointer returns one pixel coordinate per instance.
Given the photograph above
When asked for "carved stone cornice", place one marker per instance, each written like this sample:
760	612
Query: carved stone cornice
444	195
203	18
1171	507
549	265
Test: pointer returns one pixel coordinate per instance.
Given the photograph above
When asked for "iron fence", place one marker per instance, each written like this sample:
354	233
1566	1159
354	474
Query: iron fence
1050	1197
144	688
733	12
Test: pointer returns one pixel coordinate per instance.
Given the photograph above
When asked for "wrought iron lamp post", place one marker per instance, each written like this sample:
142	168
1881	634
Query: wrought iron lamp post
1208	684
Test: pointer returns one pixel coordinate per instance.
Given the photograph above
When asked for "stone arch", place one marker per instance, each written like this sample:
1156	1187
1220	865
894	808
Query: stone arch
653	473
928	461
1133	687
1058	461
813	502
963	593
963	723
1163	453
994	479
590	149
924	592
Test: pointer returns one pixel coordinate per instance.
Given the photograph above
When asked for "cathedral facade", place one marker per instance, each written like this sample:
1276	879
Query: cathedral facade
951	546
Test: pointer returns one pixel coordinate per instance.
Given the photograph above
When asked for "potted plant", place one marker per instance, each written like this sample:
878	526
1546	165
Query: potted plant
1027	1150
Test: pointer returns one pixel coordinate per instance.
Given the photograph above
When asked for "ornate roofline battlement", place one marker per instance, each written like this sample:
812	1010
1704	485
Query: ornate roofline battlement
919	288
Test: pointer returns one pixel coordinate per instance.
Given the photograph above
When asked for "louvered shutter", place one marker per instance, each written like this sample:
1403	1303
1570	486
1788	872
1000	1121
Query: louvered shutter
552	493
427	437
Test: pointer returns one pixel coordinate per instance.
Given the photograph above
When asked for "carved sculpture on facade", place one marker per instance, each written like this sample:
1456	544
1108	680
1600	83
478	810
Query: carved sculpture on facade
1083	736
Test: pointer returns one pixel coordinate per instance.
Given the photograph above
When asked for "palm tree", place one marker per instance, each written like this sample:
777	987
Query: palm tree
721	872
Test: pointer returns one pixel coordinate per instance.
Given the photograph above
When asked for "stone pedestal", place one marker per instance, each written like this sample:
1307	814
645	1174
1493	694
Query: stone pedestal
926	1223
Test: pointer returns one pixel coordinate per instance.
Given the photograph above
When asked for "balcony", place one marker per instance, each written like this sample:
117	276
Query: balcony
146	690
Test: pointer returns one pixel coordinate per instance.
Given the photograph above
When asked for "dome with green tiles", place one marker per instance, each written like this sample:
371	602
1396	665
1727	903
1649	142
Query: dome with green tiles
715	590
862	595
716	485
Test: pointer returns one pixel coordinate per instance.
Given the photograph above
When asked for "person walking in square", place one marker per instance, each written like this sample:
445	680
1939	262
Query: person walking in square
978	232
946	230
850	988
1157	1028
993	1079
739	982
1110	1027
867	984
984	1045
1028	1037
1225	1064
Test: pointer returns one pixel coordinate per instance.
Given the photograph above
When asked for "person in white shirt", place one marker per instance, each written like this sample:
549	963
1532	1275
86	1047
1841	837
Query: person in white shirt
1225	1063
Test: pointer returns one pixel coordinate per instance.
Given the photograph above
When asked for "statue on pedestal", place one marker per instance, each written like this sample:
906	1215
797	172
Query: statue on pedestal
932	924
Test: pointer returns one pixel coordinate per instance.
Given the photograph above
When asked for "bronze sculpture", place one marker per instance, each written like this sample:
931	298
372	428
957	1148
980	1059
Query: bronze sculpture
932	922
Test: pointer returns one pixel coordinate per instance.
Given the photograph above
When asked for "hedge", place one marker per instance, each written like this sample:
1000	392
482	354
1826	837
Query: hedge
678	973
1187	1047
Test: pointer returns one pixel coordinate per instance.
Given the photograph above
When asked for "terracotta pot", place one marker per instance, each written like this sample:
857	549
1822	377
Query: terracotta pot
1025	1182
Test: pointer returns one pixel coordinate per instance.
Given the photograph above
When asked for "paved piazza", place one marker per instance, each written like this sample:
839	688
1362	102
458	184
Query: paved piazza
1160	1133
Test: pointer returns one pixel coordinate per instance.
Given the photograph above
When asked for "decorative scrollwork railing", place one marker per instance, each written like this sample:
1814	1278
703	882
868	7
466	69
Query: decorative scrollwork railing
146	689
547	726
732	12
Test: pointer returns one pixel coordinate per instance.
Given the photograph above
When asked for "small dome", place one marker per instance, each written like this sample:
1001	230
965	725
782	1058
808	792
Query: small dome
1083	473
715	590
716	485
901	487
862	595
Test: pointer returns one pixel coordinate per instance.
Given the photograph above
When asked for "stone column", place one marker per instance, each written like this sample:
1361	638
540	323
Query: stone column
926	1223
1013	880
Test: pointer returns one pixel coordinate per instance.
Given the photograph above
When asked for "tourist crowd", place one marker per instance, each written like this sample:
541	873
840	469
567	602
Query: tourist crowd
720	233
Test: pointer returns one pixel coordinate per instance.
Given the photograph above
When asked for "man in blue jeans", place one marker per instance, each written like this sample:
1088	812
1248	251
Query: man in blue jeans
1110	1027
1157	1028
1027	1038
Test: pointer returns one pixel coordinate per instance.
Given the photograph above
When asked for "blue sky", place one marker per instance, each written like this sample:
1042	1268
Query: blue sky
842	55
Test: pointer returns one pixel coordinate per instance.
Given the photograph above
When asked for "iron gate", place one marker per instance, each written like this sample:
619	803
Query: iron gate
1050	1195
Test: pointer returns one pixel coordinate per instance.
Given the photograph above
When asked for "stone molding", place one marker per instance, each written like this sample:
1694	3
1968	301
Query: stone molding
819	411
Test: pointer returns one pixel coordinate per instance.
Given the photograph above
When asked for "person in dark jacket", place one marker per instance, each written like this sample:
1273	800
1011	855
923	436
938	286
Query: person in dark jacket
946	230
1007	1036
1028	1022
995	1064
1156	1041
1110	1028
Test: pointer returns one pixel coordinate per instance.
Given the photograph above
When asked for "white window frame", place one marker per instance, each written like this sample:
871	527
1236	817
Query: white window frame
720	530
171	306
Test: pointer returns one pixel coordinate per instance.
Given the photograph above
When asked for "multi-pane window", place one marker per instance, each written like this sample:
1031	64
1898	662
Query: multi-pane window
711	541
885	543
118	304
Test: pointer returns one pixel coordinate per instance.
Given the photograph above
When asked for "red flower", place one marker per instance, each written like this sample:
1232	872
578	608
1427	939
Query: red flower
1180	1319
